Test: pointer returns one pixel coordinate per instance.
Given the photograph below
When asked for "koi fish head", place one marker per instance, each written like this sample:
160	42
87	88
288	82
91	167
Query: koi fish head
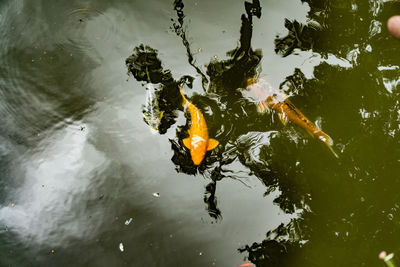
261	90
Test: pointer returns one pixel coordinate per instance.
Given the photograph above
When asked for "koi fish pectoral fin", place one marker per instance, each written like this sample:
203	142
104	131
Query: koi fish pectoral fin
283	118
212	143
262	107
186	142
311	134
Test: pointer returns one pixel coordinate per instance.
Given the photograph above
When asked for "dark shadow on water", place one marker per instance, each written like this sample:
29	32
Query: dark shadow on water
347	213
232	119
226	78
329	203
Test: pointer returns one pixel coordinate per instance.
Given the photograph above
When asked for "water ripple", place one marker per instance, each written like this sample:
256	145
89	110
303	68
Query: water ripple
84	27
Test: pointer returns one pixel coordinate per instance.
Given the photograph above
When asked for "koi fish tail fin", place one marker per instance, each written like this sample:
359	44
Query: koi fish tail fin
333	152
327	141
184	103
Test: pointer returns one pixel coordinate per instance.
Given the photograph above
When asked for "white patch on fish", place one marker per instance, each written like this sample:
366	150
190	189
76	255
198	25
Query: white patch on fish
196	140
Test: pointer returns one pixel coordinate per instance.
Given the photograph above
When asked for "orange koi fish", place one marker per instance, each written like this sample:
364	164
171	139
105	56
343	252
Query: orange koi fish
198	142
268	97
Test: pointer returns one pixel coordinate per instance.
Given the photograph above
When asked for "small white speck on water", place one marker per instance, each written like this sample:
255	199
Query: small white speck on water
128	221
156	194
336	233
200	253
121	247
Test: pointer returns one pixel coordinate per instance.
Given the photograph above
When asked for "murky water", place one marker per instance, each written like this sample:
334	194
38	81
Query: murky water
85	181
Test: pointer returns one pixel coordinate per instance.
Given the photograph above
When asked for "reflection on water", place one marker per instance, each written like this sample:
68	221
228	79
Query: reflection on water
78	160
51	193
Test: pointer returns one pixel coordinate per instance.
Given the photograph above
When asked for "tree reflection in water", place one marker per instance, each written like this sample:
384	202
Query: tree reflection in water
254	140
344	227
232	119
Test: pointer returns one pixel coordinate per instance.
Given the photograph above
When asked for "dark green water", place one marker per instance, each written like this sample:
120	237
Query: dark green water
85	182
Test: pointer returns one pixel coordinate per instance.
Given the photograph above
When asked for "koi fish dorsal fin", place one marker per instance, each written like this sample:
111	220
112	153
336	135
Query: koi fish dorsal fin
186	142
212	143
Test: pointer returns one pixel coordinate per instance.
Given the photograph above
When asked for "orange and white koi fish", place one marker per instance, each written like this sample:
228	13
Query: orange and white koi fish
268	97
198	142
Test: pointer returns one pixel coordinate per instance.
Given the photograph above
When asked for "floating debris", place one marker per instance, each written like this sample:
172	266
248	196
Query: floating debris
156	194
127	222
12	204
121	247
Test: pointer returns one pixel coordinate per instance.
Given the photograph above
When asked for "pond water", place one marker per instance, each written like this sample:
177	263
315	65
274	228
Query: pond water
85	181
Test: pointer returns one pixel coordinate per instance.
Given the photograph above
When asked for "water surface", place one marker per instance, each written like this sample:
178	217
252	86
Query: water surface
85	182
